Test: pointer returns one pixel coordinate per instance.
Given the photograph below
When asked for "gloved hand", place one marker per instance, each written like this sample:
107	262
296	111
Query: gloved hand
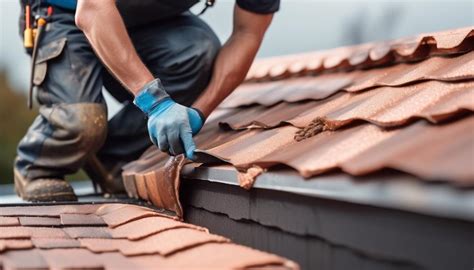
171	126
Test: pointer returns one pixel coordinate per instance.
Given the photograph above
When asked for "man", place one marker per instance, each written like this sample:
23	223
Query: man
159	60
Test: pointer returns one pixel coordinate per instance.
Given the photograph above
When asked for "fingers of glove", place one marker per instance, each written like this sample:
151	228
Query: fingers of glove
188	142
163	142
153	134
158	135
195	120
175	143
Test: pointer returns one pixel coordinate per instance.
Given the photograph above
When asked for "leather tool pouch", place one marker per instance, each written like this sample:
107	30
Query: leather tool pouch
47	53
136	13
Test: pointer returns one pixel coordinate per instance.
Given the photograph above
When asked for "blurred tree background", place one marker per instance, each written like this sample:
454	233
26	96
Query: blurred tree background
15	118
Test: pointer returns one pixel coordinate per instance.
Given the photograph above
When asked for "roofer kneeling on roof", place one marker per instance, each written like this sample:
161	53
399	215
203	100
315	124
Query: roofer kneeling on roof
155	57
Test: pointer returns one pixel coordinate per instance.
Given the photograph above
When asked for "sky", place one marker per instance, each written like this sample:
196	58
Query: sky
299	26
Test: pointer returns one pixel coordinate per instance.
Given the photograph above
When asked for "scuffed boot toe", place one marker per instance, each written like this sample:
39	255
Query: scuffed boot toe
48	190
43	190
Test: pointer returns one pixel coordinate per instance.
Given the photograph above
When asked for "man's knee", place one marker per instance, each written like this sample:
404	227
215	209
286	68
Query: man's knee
205	50
82	126
189	69
193	50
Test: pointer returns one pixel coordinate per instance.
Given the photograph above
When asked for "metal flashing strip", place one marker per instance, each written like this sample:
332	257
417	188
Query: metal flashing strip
389	190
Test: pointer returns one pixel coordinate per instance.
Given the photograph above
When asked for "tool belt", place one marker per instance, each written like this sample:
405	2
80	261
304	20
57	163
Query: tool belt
33	24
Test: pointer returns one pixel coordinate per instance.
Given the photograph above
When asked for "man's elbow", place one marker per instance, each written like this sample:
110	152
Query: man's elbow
87	10
81	22
84	12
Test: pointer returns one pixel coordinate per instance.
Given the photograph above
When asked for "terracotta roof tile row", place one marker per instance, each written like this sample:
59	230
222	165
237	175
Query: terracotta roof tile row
157	182
103	237
412	117
320	87
357	150
365	55
200	257
424	150
384	106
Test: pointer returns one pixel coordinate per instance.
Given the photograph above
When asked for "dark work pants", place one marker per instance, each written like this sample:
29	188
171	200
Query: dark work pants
72	121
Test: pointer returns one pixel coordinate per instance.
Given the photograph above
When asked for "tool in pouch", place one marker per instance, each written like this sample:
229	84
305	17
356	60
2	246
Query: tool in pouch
32	37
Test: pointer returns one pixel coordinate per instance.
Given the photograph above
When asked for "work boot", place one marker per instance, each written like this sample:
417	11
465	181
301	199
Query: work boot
43	189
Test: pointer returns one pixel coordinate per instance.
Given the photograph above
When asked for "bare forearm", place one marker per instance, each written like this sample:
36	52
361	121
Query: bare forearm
104	28
230	68
234	59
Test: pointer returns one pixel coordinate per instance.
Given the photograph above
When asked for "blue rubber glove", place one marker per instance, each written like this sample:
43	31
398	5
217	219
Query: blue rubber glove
171	125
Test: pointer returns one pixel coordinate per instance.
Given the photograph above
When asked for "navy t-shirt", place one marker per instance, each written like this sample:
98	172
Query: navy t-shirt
140	12
259	6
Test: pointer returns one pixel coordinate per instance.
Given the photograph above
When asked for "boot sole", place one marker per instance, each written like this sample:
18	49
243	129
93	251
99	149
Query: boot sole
45	197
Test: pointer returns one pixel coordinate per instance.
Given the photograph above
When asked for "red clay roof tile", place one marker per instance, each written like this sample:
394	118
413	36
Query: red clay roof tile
130	186
70	247
88	232
127	214
163	185
9	221
24	259
81	219
108	208
253	145
39	221
46	232
49	243
144	227
141	187
72	258
11	244
14	232
163	243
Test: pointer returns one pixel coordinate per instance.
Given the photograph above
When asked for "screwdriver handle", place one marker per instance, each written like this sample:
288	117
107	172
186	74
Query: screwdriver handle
28	41
28	38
